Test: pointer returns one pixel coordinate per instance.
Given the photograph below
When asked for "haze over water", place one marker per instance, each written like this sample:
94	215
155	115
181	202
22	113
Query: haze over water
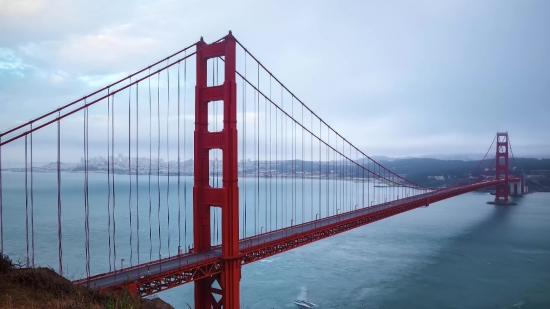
458	253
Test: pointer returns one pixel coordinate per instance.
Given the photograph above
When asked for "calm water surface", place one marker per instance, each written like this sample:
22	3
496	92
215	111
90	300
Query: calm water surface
458	253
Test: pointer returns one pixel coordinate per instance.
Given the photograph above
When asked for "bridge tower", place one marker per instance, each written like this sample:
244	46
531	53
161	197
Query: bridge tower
502	191
207	295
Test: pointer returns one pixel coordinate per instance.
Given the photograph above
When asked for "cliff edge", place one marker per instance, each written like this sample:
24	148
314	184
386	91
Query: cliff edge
43	288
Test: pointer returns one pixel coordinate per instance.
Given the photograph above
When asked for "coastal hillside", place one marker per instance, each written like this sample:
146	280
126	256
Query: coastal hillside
43	288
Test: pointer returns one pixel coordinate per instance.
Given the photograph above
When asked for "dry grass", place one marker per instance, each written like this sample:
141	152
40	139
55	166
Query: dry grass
43	288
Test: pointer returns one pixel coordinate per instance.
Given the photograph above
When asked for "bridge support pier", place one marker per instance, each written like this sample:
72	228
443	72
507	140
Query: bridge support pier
219	291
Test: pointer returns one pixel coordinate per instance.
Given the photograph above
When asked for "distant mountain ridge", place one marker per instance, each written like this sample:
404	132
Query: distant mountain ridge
450	157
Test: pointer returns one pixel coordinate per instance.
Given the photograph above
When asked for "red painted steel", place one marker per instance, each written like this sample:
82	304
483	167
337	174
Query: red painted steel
227	197
223	267
267	249
152	284
501	192
211	268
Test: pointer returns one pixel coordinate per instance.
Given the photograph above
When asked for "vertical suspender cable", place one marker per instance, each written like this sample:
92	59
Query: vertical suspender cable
342	179
339	179
352	173
59	236
179	168
150	170
347	186
168	153
374	184
85	188
360	168
244	156
293	150
334	172
368	186
284	202
302	163
336	166
257	149
294	165
137	172
345	162
327	171
244	146
363	191
270	163
1	199
341	182
109	158
311	166
130	168
294	157
113	179
87	192
265	159
254	158
336	176
184	150
26	204
158	160
276	170
32	205
355	180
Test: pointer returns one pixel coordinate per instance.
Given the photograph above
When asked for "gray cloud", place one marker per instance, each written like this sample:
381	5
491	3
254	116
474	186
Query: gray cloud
395	78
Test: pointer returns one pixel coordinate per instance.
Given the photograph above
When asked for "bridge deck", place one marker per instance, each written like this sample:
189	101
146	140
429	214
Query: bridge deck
159	275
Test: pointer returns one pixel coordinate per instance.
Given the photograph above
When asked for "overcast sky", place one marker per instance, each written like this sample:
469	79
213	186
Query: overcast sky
397	78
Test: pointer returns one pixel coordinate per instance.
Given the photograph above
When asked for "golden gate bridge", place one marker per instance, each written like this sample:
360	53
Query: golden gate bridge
269	175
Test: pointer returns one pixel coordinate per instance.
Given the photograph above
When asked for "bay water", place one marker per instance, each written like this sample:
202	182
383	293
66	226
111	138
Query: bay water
457	253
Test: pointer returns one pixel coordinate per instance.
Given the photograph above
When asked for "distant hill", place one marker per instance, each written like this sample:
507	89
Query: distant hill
419	170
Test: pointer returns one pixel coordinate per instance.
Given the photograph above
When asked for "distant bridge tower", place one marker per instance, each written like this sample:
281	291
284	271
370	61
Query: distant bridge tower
207	294
502	191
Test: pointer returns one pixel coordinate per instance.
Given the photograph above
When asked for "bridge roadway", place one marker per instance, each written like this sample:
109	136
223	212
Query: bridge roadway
155	269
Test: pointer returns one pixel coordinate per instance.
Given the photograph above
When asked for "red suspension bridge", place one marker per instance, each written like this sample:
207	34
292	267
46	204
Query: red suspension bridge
182	198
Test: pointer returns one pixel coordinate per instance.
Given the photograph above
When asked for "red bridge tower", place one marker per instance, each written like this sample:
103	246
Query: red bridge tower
501	193
227	197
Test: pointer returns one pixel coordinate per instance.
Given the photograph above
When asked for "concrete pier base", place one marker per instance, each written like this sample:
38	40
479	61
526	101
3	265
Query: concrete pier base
501	203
